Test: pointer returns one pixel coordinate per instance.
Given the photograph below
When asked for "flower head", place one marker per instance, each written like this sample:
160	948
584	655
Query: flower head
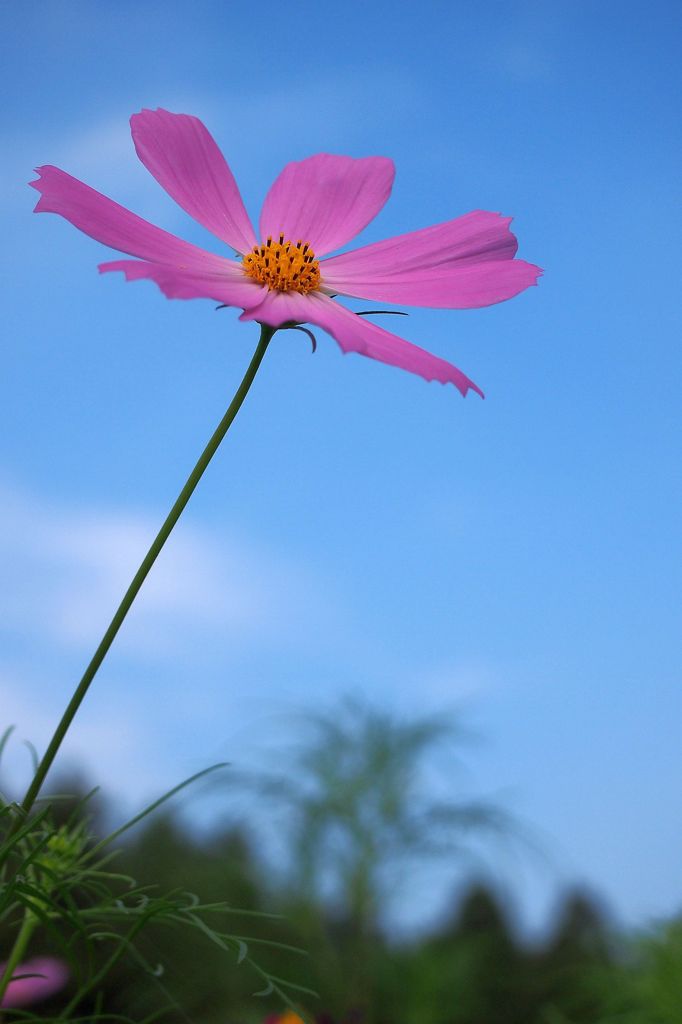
34	980
284	274
287	1017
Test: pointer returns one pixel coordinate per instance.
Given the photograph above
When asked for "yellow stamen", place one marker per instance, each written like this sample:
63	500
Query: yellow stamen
283	265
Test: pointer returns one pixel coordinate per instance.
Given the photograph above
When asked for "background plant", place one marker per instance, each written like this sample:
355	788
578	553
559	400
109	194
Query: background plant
63	887
374	823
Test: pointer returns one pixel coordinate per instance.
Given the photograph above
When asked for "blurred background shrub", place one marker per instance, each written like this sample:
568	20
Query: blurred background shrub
354	810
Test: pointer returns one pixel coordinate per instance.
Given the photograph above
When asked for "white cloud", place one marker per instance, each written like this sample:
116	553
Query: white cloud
165	711
104	146
253	127
113	743
529	46
66	568
457	680
524	61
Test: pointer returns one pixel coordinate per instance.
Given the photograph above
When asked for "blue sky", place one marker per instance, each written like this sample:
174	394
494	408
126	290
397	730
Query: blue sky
362	531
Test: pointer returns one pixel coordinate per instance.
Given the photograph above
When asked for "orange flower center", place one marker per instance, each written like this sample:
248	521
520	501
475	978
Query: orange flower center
283	265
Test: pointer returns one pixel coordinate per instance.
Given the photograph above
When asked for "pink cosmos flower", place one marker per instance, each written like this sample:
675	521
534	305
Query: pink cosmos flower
280	278
47	976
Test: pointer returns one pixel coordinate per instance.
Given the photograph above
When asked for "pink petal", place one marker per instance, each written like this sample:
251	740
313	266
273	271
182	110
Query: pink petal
463	263
233	289
326	200
455	286
113	225
355	334
277	308
185	160
479	235
49	976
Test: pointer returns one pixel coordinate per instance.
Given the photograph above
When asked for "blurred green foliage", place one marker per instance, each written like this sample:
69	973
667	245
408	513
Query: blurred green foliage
354	814
59	893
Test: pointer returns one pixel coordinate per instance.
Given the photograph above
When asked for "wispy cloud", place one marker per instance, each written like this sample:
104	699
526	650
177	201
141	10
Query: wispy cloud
114	744
528	48
446	682
210	601
66	567
251	127
524	61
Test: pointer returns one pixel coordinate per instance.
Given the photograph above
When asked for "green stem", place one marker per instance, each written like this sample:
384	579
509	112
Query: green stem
148	561
17	954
